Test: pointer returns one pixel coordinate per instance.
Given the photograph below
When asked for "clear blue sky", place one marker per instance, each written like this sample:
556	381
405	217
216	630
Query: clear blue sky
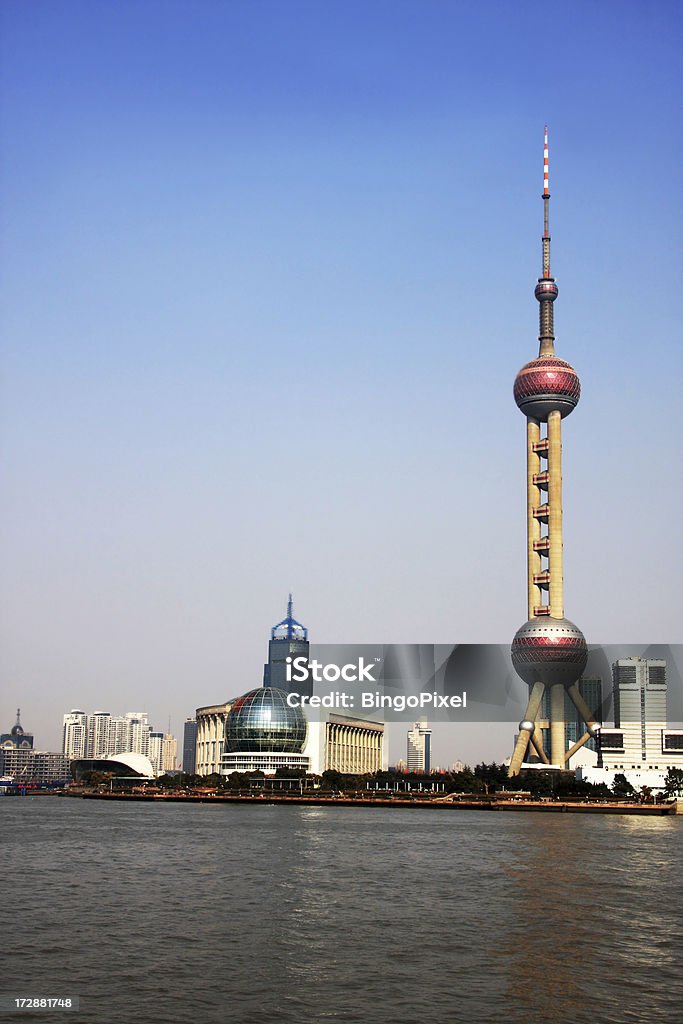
267	278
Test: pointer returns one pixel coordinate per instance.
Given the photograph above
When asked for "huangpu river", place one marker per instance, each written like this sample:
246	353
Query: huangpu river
254	914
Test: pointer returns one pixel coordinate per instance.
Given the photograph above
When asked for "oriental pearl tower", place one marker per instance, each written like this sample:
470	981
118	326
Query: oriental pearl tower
548	651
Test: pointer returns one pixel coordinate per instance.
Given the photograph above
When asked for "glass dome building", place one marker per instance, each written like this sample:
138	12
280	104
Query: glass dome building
263	733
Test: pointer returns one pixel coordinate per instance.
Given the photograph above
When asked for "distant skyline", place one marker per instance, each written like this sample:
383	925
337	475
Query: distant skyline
267	277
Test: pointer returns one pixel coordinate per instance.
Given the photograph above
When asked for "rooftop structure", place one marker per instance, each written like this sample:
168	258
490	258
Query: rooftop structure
17	737
288	639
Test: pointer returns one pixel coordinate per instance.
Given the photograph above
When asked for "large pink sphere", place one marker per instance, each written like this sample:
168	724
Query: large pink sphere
547	384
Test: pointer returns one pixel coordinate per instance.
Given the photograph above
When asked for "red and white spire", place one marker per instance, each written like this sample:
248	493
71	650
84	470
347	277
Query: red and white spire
546	289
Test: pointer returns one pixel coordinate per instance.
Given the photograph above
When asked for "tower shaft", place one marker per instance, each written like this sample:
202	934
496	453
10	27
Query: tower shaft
555	583
533	462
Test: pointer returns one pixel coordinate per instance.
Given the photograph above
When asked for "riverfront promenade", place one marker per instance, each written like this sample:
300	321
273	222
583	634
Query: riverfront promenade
451	803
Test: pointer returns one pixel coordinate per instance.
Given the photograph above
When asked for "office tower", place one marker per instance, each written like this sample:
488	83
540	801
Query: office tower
169	753
640	736
548	651
190	746
419	756
288	639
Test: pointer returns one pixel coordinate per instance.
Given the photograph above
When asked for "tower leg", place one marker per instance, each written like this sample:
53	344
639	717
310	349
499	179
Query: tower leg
581	706
537	742
526	729
577	746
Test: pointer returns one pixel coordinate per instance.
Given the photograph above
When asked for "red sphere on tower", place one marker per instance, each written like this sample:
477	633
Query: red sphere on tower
545	384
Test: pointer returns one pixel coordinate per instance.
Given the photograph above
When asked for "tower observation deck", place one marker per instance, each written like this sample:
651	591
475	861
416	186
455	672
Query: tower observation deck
548	651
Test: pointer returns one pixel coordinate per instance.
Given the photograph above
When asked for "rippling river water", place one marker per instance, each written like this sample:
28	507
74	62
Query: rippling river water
255	914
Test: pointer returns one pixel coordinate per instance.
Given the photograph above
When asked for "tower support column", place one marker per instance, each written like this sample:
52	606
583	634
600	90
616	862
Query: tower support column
556	600
526	728
533	499
557	738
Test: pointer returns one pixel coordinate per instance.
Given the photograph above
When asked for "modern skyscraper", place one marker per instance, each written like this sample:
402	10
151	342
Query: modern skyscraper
548	651
419	756
190	746
288	639
640	737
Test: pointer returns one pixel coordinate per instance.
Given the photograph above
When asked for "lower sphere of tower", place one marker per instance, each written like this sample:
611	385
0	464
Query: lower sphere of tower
526	725
549	651
547	384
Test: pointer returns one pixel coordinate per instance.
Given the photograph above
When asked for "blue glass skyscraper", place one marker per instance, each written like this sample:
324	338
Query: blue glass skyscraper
288	639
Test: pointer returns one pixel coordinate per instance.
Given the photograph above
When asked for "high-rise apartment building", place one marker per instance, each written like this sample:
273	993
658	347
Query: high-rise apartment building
101	734
98	734
419	748
156	741
136	733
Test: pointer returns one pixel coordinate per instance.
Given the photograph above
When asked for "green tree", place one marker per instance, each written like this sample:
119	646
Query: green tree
673	782
213	781
622	787
333	780
492	776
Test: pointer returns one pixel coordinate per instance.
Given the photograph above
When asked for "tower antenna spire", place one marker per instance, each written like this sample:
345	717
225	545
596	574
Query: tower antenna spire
290	607
546	289
546	207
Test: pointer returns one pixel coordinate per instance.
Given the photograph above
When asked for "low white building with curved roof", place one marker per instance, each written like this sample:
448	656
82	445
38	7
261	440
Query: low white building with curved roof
126	765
